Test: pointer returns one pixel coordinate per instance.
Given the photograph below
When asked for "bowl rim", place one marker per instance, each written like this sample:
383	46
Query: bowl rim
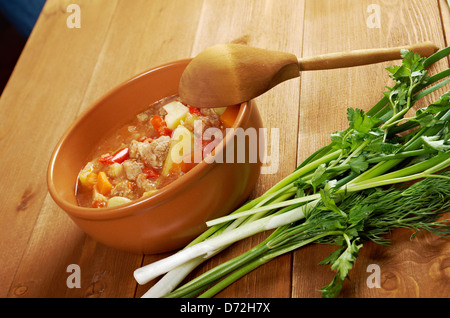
132	208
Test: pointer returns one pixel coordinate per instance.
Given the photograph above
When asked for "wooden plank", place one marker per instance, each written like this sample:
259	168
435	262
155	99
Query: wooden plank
142	36
106	272
444	7
43	93
62	71
332	26
161	39
274	25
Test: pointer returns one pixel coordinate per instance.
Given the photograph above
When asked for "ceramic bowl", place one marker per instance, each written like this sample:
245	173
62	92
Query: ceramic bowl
174	215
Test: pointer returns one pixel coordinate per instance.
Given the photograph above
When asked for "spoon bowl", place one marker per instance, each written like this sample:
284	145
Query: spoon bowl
229	74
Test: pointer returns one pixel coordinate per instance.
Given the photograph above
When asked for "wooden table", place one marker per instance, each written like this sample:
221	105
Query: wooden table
63	70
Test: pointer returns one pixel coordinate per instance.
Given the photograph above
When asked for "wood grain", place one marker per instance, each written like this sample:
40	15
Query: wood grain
261	26
332	26
62	71
43	111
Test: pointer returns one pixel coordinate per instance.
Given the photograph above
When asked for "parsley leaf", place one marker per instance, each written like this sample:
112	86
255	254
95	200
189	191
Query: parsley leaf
436	143
358	164
360	121
344	263
342	260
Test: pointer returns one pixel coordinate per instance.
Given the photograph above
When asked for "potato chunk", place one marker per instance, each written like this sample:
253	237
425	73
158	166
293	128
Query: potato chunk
115	201
176	112
181	145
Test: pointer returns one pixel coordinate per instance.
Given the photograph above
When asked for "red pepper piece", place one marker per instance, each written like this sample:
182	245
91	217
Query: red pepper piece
119	157
98	204
150	173
106	160
165	131
194	111
160	126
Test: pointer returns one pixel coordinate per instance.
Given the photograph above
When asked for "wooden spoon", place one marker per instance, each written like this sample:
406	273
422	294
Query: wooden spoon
229	74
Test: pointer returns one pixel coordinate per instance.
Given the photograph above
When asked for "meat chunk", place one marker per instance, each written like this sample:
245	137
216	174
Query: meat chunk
145	184
210	118
151	154
122	189
156	155
134	149
205	111
132	169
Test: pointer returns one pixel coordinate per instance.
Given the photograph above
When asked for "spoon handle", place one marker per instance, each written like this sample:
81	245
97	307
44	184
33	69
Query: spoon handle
362	57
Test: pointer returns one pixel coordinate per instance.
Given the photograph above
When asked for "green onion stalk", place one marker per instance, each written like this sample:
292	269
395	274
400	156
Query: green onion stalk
385	171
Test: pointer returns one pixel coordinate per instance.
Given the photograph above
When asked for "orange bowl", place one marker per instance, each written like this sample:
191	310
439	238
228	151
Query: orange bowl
177	213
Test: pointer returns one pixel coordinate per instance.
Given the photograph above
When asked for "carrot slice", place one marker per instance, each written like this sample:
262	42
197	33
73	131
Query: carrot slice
229	115
184	166
90	180
103	184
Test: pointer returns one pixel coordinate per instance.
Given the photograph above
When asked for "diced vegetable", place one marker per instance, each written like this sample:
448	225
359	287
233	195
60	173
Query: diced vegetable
91	180
190	119
150	173
176	112
98	199
182	132
103	184
84	173
115	170
194	111
181	145
98	203
185	165
229	115
118	157
160	126
115	201
220	110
